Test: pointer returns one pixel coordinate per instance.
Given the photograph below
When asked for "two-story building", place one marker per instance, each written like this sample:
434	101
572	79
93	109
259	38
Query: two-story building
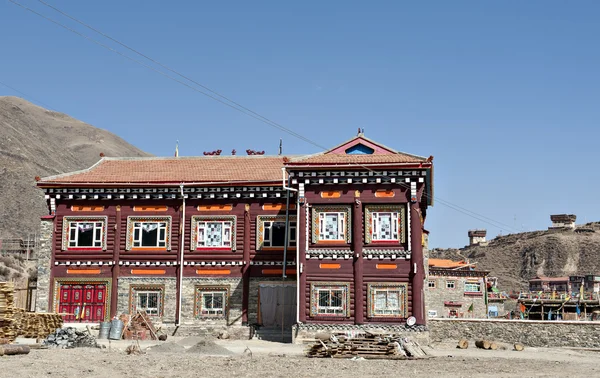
330	238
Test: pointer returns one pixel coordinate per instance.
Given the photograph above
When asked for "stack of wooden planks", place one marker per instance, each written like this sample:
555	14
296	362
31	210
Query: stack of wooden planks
36	325
7	322
369	345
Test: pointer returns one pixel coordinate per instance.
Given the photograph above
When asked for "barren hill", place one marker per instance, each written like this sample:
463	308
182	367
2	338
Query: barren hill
39	142
516	258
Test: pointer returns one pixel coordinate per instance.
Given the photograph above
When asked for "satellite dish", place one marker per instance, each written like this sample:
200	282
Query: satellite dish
411	321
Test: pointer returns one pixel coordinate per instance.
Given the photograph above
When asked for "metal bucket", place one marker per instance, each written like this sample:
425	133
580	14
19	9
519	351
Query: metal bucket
116	328
104	330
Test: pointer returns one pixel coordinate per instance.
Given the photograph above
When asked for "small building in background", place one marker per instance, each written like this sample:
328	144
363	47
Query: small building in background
562	221
455	289
477	237
550	284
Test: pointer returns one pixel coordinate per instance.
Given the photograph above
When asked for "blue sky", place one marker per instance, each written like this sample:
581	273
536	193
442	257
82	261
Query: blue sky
505	95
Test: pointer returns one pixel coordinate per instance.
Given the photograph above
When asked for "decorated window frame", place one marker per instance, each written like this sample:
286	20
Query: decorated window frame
228	227
136	290
202	292
136	225
473	287
264	239
373	216
321	292
320	216
379	293
70	240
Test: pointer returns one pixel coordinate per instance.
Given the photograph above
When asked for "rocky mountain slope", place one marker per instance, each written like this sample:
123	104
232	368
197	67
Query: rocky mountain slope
516	258
39	142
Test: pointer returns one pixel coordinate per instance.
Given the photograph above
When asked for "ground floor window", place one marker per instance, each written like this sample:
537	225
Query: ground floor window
387	300
148	298
211	301
330	299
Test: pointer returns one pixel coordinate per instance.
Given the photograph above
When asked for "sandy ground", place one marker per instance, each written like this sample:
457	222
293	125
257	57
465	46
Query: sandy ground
184	357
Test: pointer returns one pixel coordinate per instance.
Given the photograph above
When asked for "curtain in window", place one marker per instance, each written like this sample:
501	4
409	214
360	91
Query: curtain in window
149	227
84	227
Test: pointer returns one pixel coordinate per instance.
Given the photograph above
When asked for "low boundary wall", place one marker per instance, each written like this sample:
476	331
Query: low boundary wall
535	333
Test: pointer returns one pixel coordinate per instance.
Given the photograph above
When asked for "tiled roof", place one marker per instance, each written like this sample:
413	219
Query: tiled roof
443	263
218	169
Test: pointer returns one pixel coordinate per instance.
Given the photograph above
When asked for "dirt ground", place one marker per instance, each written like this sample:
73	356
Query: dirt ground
190	357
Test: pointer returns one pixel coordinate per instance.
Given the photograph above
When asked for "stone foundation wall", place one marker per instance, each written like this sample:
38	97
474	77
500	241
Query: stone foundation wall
170	295
303	333
528	332
189	302
44	254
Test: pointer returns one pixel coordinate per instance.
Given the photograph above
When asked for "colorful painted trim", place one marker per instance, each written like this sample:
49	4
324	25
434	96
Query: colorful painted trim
260	227
198	303
370	209
314	297
212	218
133	289
82	280
316	210
65	229
131	220
403	300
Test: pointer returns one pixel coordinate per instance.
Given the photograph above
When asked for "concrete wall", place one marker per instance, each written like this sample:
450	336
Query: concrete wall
528	332
44	254
435	297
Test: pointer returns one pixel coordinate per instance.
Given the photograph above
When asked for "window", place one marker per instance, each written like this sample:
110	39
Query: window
385	226
432	313
329	299
271	232
383	223
387	300
148	301
84	233
148	232
330	224
472	287
214	234
149	298
211	301
450	284
431	284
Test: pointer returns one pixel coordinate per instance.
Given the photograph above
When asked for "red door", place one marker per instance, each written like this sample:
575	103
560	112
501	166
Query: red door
83	302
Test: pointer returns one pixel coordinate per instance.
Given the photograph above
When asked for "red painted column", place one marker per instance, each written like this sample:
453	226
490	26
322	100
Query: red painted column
114	297
246	266
301	264
418	277
357	244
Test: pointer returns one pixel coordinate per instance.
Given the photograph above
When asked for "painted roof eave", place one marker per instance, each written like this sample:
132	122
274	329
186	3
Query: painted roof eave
357	165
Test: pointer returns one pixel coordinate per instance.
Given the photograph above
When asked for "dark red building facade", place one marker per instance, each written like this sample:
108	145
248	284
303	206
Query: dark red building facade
201	240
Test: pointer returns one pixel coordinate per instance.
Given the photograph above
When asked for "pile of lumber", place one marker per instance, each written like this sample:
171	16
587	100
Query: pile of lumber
369	345
7	322
36	325
139	327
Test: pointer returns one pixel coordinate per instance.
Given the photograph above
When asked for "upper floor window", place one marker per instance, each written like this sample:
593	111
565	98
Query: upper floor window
331	224
84	233
472	287
450	284
148	232
384	223
213	232
271	232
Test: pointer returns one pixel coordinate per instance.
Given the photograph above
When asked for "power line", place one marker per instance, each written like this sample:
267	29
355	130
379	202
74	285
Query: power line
25	95
223	99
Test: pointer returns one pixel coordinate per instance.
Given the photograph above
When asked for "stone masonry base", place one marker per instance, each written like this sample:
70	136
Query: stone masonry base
303	333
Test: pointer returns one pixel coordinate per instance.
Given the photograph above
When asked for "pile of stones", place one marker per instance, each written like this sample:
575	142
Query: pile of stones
66	338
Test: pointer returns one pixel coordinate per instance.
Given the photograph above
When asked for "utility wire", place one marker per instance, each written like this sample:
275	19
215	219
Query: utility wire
25	95
225	100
